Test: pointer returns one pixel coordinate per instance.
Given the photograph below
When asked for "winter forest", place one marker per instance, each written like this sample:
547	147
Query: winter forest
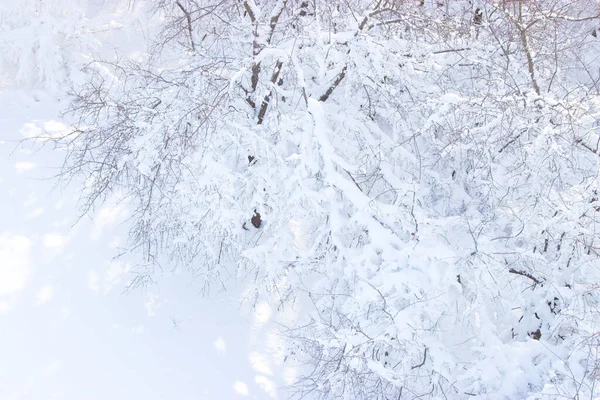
412	185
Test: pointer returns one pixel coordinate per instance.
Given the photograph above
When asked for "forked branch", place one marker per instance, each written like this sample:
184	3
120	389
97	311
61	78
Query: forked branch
340	77
257	47
189	25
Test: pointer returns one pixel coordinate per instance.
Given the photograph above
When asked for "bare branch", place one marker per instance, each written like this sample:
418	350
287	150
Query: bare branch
525	274
422	362
450	50
189	25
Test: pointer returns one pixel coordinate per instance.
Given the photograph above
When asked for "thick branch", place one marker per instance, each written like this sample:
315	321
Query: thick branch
275	19
255	74
257	46
249	11
336	82
267	99
530	64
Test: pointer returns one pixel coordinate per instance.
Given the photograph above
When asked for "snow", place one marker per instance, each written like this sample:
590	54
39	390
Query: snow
15	267
405	206
59	335
69	331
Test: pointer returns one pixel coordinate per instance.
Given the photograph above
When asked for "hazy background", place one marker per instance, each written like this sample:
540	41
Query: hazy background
68	331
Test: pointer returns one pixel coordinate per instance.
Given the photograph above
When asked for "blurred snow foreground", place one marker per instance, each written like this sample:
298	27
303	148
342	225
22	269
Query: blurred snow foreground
421	177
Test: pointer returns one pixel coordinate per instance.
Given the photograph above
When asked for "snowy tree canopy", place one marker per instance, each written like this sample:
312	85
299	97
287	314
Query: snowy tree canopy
423	175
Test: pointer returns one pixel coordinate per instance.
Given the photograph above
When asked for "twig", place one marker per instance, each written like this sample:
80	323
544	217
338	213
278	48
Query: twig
580	142
341	358
512	141
450	50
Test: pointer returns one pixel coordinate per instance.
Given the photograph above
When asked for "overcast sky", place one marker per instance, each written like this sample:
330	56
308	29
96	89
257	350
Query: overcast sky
67	330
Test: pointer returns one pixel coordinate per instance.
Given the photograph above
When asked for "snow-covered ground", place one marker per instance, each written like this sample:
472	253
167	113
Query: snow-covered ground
67	330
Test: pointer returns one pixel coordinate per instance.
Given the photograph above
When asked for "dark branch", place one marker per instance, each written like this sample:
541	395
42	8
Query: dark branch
274	20
336	82
189	25
525	274
422	362
249	11
450	50
267	99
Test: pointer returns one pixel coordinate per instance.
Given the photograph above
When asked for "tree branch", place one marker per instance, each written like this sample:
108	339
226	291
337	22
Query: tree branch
525	274
257	47
450	50
422	362
249	11
267	99
340	77
588	147
189	25
275	19
528	54
336	82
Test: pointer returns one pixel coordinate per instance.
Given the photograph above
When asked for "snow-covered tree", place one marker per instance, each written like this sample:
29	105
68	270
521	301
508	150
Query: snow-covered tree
34	38
423	175
44	43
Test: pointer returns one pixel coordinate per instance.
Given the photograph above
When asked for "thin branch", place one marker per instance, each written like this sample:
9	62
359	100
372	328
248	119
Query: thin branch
528	54
450	50
572	19
382	23
525	274
341	358
422	362
340	77
189	25
512	141
588	147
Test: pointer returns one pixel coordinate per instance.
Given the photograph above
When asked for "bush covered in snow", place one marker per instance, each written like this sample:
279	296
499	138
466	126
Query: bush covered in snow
422	176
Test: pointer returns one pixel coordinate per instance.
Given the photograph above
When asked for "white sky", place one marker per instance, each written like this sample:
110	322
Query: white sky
66	329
